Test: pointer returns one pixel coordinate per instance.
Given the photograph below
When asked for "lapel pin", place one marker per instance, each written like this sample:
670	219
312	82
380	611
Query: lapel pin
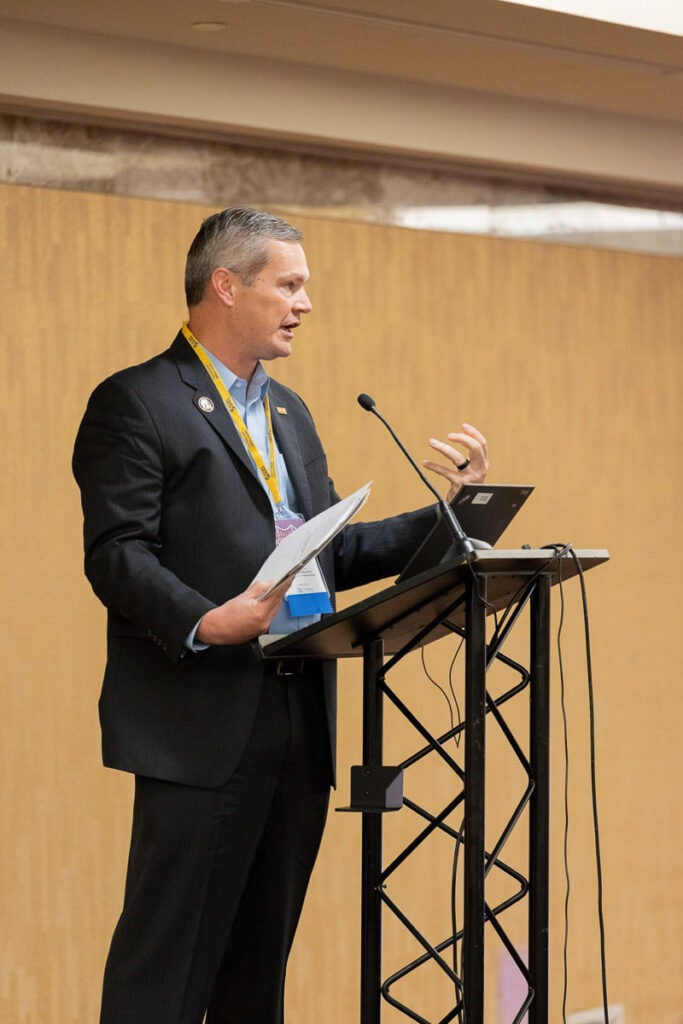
205	404
281	409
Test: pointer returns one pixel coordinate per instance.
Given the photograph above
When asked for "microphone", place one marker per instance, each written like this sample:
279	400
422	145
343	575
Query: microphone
462	541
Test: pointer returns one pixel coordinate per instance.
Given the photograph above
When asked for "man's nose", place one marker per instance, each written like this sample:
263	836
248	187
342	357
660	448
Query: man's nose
303	304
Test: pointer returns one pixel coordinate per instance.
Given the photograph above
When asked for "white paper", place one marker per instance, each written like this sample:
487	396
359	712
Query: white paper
305	543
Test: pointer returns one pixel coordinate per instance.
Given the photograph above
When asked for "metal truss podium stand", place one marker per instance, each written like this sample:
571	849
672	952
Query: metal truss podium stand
383	629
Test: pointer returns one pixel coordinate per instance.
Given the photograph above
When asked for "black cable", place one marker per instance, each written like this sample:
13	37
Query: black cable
528	584
559	552
482	600
458	714
594	788
459	991
438	686
462	1013
458	736
565	732
460	996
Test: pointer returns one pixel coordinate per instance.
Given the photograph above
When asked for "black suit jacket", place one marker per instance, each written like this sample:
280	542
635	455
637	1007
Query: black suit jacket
176	522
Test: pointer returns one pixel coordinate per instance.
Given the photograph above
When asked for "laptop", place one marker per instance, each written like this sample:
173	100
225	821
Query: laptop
483	510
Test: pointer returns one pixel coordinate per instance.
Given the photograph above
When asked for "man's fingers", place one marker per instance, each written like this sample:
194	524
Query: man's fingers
474	448
437	468
470	466
259	590
258	587
469	429
466	442
455	456
280	591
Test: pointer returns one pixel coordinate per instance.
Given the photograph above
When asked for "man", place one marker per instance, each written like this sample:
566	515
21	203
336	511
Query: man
190	466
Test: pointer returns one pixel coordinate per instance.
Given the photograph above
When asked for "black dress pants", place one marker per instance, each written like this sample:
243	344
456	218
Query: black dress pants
217	877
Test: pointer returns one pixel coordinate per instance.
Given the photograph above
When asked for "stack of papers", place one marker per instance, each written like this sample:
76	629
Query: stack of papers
299	547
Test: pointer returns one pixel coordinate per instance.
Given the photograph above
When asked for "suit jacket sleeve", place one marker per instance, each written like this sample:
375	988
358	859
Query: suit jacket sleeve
365	552
118	463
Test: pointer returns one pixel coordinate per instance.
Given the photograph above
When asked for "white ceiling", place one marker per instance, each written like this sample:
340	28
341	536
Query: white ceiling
654	15
479	45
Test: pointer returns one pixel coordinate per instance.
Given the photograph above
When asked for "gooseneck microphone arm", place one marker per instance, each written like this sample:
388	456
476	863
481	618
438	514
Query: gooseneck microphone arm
461	539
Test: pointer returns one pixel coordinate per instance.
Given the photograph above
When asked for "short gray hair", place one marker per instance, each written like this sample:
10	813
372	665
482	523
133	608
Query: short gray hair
236	239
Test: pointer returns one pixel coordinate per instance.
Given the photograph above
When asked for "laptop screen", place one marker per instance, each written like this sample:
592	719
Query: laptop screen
483	510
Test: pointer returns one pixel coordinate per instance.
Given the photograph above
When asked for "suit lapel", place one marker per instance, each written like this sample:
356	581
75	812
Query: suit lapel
195	376
284	428
214	412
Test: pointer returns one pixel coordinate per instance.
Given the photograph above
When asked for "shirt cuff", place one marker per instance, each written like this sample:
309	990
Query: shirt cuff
191	643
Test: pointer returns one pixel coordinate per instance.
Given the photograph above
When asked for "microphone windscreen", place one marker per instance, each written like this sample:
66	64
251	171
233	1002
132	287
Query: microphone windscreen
366	402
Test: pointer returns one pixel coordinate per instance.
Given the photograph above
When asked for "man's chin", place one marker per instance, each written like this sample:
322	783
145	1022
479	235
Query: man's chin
279	351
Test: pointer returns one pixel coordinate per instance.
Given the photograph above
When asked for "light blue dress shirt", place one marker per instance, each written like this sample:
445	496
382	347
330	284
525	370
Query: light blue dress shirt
249	400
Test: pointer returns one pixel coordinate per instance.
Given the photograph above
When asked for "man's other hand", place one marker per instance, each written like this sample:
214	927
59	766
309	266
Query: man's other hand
468	468
242	618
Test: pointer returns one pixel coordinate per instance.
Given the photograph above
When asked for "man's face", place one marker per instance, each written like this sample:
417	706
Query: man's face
267	312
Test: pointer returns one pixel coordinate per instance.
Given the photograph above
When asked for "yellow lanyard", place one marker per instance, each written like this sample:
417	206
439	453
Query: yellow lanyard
268	474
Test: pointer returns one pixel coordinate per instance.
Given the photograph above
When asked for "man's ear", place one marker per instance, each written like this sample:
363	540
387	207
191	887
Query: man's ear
223	283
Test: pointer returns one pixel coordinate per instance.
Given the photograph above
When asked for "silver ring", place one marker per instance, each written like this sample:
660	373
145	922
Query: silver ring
463	465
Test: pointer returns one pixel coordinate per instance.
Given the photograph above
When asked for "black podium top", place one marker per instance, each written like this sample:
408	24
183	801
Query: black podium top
400	611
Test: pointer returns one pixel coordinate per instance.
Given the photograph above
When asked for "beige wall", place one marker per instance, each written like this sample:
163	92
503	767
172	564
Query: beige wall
568	359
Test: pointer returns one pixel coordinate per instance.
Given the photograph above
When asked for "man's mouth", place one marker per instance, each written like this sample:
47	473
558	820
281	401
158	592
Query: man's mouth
290	327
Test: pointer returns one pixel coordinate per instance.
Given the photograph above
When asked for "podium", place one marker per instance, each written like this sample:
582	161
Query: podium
455	598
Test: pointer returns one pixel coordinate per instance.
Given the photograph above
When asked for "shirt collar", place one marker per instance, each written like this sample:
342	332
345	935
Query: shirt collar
257	388
258	385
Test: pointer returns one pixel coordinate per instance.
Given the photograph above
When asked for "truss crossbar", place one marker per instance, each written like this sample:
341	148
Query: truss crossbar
468	1007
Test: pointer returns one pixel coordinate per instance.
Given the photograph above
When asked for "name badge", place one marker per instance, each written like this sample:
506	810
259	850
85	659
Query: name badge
308	593
286	522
